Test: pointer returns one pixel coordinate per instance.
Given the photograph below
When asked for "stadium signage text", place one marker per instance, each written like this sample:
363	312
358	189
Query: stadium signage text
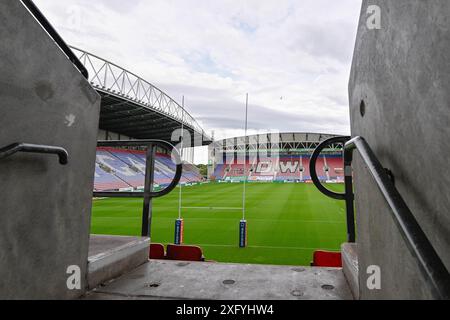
196	311
226	310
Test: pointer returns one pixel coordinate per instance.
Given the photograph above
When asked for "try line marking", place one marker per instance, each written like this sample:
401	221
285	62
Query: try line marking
212	208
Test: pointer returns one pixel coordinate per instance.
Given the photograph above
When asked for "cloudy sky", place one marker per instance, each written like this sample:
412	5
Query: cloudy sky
292	57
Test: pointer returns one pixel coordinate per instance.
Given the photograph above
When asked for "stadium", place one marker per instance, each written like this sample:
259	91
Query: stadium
212	204
102	198
275	157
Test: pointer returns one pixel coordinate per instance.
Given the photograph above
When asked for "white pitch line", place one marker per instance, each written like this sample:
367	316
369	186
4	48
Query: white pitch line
227	219
213	208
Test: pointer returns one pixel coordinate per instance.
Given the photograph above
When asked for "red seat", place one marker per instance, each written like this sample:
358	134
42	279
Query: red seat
184	253
327	259
157	251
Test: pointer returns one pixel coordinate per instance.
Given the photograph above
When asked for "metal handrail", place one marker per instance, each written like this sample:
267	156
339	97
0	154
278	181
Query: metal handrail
312	167
34	148
417	242
148	194
143	143
55	36
429	262
347	196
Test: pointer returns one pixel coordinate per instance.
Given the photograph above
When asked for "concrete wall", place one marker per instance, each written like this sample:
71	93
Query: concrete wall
44	207
402	73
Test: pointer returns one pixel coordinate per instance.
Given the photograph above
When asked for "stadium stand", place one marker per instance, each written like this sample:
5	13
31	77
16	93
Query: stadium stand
219	171
320	168
119	169
110	164
263	170
290	168
236	171
283	168
336	166
107	181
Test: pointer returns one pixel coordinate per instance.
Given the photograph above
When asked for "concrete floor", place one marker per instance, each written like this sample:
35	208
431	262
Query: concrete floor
102	243
113	256
194	280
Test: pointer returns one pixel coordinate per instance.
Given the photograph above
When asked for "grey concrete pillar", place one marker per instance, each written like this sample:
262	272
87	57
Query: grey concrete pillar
45	207
400	103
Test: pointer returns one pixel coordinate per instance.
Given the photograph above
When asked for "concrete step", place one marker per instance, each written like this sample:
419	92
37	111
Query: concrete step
112	256
164	279
350	267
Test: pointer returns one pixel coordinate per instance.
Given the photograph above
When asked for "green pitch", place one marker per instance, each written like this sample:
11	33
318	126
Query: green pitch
286	222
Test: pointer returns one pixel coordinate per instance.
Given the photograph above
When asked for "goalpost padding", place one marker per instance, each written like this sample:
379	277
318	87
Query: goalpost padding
243	234
179	229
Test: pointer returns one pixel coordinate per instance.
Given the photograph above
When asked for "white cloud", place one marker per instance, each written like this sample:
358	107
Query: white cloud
293	57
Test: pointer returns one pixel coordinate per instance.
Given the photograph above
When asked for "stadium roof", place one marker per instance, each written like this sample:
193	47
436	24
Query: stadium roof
134	107
279	140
